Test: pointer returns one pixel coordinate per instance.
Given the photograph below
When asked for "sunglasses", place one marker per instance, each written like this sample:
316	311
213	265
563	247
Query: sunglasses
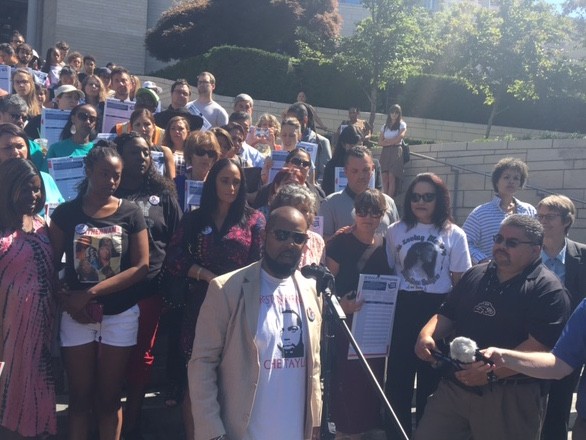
372	213
510	242
17	116
282	235
300	163
202	152
427	197
83	116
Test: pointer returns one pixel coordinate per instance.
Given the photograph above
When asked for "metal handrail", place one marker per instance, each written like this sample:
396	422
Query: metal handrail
540	191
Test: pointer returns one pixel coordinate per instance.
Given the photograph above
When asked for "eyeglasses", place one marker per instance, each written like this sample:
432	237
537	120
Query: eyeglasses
300	163
202	152
18	116
21	82
92	84
427	197
510	242
18	41
547	217
83	116
203	82
374	213
282	235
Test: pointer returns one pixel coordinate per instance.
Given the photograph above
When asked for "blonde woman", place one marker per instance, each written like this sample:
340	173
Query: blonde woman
23	84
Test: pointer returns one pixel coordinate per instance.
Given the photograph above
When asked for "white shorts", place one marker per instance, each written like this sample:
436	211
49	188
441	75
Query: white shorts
115	330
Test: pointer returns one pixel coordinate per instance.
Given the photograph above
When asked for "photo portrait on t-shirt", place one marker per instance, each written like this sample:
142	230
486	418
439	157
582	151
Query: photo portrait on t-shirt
291	345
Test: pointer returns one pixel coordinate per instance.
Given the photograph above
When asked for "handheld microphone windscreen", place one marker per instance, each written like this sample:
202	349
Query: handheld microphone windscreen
463	350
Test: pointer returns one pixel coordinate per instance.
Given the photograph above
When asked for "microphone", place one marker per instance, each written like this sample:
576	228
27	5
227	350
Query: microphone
315	271
465	351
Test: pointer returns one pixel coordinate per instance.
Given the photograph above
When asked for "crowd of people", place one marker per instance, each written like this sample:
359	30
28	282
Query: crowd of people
95	273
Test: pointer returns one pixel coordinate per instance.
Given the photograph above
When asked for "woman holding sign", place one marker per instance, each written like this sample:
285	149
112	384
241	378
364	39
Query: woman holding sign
78	134
429	254
222	235
355	406
202	150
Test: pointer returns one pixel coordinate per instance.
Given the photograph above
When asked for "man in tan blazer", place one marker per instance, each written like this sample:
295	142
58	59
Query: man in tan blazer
255	368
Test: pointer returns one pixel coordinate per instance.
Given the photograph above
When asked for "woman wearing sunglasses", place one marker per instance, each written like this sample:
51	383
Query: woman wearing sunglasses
350	137
78	134
355	405
429	254
222	235
300	160
202	150
508	177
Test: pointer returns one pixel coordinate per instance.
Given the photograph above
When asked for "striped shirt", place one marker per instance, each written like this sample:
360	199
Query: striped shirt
484	222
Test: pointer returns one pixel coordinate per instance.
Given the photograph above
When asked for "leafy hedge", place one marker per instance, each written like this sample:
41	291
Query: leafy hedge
275	77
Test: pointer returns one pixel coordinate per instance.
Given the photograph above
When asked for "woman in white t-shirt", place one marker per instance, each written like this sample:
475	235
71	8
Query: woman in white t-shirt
391	158
429	254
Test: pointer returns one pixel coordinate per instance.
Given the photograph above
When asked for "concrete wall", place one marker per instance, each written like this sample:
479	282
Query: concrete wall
557	166
108	29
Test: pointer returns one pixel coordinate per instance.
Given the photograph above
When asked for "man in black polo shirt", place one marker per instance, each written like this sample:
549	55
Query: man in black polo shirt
512	302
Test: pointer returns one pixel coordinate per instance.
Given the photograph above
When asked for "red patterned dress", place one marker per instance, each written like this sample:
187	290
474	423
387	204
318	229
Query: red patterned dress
27	316
197	240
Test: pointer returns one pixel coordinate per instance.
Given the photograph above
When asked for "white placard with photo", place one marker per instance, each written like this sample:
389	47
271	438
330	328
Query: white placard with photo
67	172
52	123
372	326
193	191
116	112
5	80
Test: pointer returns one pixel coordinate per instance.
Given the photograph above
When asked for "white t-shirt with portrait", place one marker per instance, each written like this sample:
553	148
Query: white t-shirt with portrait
424	256
279	404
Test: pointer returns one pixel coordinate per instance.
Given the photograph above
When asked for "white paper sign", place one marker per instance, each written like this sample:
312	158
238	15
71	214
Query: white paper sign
158	159
193	190
106	136
341	181
116	112
372	326
67	172
5	74
278	158
52	123
191	108
318	225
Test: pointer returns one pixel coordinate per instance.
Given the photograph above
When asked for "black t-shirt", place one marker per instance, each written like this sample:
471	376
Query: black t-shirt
97	249
162	215
505	314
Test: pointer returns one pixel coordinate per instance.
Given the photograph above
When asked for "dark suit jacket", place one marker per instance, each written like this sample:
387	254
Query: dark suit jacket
575	271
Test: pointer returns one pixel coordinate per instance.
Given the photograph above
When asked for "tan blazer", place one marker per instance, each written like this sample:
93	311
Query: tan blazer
225	367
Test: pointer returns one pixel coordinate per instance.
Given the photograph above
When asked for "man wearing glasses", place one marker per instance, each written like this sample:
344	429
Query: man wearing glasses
213	112
255	368
337	208
567	259
514	302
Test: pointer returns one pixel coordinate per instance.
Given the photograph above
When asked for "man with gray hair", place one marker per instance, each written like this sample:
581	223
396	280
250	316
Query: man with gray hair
513	302
244	103
14	110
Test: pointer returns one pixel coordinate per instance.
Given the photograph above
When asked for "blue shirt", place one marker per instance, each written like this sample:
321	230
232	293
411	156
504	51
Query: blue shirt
557	264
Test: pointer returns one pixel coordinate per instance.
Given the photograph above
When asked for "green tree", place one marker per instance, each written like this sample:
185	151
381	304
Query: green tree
388	47
507	50
191	28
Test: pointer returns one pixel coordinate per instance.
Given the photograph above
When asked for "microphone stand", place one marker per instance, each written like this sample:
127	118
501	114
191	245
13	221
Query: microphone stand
335	316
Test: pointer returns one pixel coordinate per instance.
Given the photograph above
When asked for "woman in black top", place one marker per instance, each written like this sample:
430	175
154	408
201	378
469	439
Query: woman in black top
155	196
